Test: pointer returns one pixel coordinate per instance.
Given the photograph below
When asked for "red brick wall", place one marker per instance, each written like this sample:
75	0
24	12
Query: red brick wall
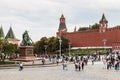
116	46
93	37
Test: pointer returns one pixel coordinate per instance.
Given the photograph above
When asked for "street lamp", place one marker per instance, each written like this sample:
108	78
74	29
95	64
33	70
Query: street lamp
45	49
104	43
60	41
69	48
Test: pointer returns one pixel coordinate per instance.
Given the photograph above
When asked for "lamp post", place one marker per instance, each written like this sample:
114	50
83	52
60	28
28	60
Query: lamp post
60	41
0	43
104	43
45	49
69	48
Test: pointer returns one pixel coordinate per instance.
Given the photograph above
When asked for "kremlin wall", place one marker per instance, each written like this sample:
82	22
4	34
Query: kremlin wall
103	37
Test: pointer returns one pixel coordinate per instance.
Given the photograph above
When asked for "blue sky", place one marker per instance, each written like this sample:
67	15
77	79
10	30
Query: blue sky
41	17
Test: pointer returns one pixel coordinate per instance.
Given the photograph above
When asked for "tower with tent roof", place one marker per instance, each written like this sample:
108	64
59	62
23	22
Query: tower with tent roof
10	36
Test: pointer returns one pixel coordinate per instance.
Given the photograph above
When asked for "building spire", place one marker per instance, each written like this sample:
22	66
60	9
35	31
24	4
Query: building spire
10	34
75	29
103	24
62	16
1	33
62	25
103	19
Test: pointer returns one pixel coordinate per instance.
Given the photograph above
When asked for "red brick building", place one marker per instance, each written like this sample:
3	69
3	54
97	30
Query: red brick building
103	37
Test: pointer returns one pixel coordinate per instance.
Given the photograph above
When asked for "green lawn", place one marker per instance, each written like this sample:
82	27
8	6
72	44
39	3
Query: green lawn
6	62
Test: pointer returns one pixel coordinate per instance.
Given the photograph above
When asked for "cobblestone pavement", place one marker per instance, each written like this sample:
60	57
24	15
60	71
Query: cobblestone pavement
91	72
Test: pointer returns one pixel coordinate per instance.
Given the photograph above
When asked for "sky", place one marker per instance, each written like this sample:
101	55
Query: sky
41	17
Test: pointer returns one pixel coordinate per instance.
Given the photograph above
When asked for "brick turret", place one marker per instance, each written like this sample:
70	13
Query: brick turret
103	24
62	25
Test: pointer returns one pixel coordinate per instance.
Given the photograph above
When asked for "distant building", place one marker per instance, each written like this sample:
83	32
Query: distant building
103	37
10	37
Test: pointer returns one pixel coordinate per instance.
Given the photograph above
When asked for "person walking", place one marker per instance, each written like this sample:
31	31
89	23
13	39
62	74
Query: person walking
57	61
20	66
82	65
43	61
117	65
65	65
79	65
93	60
109	64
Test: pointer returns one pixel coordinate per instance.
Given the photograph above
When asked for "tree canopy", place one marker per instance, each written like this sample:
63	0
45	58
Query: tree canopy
51	44
95	26
7	49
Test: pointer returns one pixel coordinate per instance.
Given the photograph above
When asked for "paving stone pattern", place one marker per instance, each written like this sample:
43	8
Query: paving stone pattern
90	72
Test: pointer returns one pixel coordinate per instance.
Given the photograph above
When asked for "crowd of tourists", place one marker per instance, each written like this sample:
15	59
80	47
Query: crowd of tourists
79	61
110	60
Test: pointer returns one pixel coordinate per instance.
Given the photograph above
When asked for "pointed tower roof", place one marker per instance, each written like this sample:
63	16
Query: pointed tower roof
62	25
103	19
10	35
62	16
1	33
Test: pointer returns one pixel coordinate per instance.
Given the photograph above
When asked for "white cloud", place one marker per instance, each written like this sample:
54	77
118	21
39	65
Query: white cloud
41	17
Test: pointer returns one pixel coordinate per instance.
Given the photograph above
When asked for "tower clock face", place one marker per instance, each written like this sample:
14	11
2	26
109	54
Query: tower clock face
62	20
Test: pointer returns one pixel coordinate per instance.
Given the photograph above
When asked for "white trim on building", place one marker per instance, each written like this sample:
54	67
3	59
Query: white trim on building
91	47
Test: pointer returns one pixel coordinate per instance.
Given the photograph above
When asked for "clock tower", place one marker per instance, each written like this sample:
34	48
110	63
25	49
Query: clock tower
103	24
62	25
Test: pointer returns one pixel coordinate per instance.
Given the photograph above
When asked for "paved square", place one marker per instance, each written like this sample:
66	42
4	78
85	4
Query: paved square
91	72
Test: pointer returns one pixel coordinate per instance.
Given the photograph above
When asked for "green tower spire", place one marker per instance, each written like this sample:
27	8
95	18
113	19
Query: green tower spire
1	33
10	34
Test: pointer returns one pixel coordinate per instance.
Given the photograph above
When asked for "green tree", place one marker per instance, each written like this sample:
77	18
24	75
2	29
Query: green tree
95	26
65	44
7	49
83	29
52	44
40	45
